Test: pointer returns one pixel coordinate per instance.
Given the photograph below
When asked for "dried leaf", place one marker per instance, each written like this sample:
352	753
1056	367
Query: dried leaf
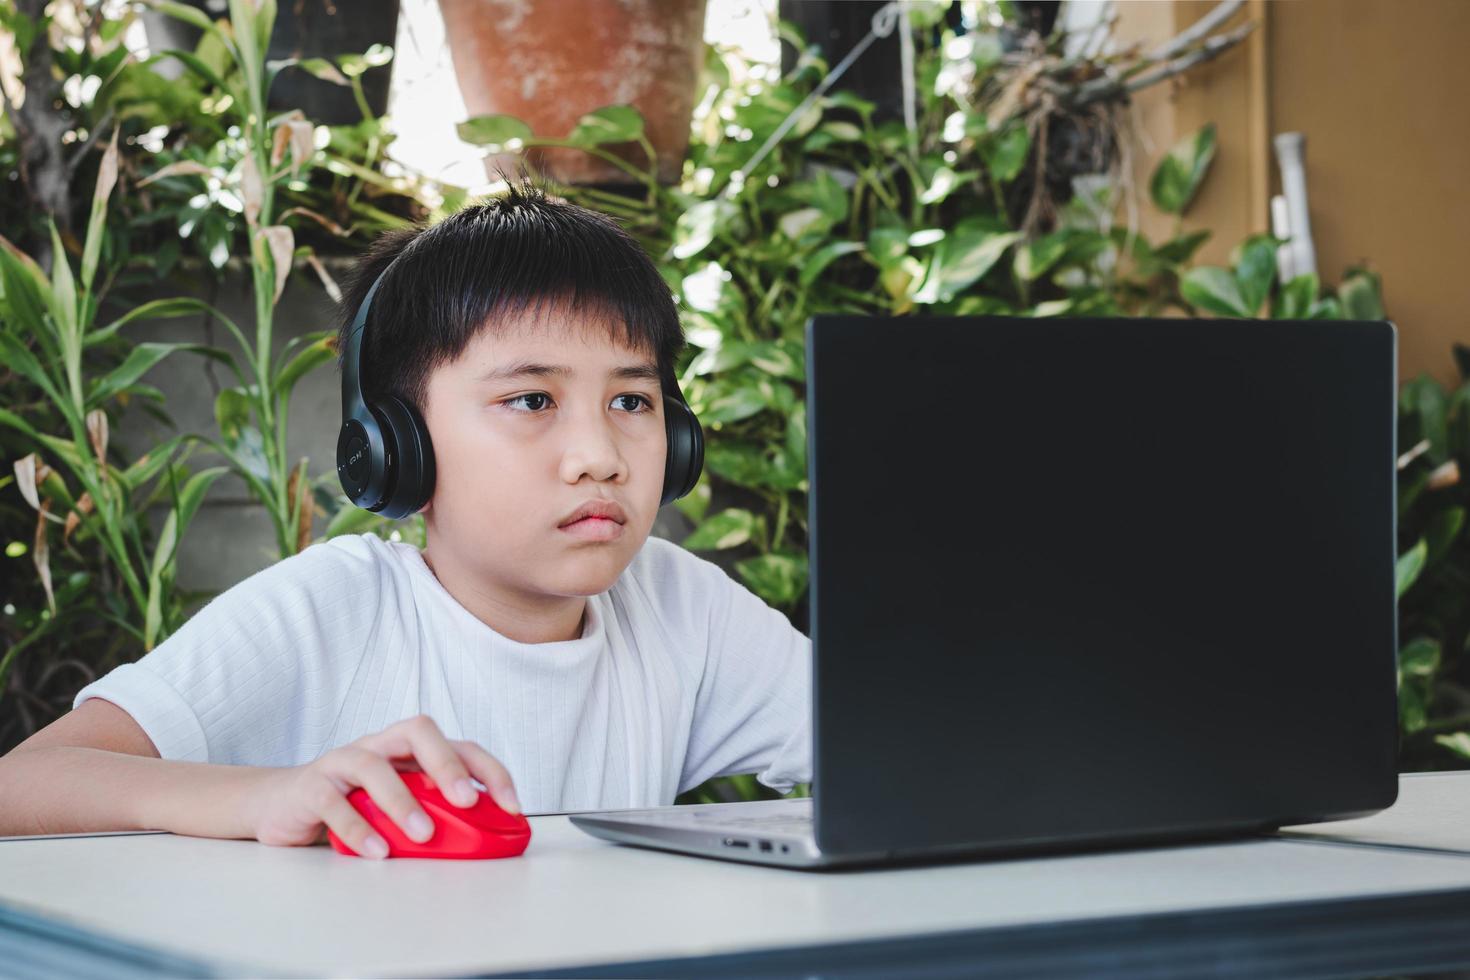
252	189
107	171
41	555
282	245
97	433
1420	448
1444	475
320	219
84	507
25	478
279	143
308	505
179	167
303	142
328	283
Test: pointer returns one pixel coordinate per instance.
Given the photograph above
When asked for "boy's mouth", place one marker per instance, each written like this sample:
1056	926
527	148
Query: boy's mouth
595	529
596	508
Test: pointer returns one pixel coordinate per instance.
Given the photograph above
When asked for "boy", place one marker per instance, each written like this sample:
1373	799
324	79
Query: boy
565	665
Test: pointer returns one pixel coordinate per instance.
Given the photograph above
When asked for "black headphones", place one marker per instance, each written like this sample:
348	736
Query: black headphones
385	460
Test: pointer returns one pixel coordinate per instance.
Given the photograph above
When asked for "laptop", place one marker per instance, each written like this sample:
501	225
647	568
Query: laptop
1084	583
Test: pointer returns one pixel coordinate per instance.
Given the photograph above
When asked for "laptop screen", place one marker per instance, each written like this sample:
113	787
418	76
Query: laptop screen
1090	577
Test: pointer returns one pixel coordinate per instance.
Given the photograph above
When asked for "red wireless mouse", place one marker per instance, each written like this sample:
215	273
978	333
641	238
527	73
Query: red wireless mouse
480	831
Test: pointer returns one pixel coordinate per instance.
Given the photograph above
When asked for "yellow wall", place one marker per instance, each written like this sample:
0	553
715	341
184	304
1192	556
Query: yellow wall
1379	90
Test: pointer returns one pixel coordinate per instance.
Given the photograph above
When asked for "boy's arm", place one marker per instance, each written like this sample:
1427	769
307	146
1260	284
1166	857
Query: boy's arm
752	712
96	769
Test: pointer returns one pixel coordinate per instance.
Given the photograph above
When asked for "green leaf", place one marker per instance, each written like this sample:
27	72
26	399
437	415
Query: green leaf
16	357
797	223
351	519
1423	402
1408	567
193	493
962	258
733	404
1361	295
147	466
739	462
1005	153
823	257
1034	258
319	68
1458	743
1178	176
824	193
696	227
780	358
232	413
315	354
1214	289
63	297
495	130
796	434
1298	296
844	132
1444	529
889	244
944	181
1255	270
162	558
1413	713
695	503
730	528
23	288
139	361
1177	251
610	124
185	13
779	579
1419	658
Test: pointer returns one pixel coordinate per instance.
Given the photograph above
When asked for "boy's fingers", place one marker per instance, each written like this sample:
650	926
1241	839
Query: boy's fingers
344	820
420	738
387	789
488	770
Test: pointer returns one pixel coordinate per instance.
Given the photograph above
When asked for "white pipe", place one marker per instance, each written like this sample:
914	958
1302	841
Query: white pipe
1290	156
1281	228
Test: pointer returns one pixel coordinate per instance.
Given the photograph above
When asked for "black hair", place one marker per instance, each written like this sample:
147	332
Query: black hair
495	257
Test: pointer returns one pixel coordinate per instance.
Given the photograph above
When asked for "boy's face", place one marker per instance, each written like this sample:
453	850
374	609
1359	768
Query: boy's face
517	454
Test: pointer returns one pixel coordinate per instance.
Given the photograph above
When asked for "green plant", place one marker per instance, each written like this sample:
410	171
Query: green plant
848	214
46	328
243	179
1433	574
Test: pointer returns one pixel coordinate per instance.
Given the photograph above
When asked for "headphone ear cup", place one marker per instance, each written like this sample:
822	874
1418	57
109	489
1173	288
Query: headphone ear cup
685	457
411	467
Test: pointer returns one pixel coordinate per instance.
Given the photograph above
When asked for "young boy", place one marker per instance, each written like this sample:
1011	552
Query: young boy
565	666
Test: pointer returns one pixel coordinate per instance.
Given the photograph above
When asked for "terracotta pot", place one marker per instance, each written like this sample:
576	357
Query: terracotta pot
548	62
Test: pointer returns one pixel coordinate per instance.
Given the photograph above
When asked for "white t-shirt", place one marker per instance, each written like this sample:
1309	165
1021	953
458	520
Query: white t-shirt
680	674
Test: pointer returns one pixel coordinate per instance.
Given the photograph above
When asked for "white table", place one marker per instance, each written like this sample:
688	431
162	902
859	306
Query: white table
134	904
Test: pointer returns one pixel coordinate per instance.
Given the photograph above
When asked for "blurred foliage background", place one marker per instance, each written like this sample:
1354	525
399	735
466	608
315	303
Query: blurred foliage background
1002	198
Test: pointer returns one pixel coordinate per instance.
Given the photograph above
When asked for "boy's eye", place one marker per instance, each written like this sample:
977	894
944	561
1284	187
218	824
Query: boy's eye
537	400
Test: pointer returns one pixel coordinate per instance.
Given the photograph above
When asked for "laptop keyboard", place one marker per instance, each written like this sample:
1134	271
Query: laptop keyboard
793	823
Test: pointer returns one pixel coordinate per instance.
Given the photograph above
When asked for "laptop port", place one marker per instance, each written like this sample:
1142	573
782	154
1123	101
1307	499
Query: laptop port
765	845
733	842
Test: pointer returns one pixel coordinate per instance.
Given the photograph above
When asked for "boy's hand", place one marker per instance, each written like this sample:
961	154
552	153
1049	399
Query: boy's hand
296	805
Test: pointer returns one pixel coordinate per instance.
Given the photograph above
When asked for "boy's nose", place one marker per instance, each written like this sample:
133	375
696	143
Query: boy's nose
591	449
